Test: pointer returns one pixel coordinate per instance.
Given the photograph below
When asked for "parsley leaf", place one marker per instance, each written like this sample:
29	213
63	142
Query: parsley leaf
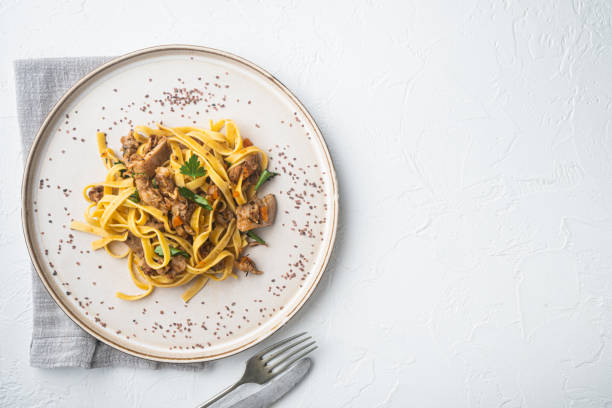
173	251
192	168
198	199
135	197
154	182
265	176
256	237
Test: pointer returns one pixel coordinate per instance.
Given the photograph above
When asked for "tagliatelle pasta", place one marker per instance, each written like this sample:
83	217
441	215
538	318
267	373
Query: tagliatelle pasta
184	201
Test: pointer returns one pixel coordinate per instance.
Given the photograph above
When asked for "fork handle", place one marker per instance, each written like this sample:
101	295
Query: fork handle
221	395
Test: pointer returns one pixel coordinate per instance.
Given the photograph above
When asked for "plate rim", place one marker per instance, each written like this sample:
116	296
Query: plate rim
26	199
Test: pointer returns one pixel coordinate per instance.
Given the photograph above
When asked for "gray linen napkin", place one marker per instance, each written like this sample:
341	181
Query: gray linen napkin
56	340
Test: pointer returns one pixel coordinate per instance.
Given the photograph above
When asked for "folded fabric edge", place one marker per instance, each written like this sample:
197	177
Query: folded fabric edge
30	61
54	352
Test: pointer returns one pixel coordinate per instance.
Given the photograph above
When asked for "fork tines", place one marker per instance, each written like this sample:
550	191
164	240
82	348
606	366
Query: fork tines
277	357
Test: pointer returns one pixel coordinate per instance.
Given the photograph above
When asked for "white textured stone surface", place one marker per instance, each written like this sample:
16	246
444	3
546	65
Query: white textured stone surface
474	153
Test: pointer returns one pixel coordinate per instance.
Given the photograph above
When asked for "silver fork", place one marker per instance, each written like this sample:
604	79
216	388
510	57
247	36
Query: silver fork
269	363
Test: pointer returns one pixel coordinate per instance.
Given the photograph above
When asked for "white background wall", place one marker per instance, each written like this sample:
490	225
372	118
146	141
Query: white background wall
473	147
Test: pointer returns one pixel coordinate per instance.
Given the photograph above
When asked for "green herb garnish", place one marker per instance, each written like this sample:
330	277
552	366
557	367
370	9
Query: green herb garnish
192	168
122	171
265	176
135	197
255	237
173	251
198	199
154	182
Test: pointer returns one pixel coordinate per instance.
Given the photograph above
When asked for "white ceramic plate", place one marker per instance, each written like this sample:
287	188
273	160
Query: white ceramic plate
180	85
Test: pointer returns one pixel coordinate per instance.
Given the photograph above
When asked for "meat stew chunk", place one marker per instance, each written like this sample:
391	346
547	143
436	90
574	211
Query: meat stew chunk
96	193
129	145
213	192
247	265
149	194
165	181
181	211
249	167
177	264
157	152
257	213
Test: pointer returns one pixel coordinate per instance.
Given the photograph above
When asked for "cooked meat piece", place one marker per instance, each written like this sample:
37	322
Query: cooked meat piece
213	192
149	194
184	231
133	242
205	249
96	193
247	265
177	264
151	142
251	165
259	212
157	152
234	173
129	145
216	268
225	216
165	181
248	216
183	209
247	168
269	202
